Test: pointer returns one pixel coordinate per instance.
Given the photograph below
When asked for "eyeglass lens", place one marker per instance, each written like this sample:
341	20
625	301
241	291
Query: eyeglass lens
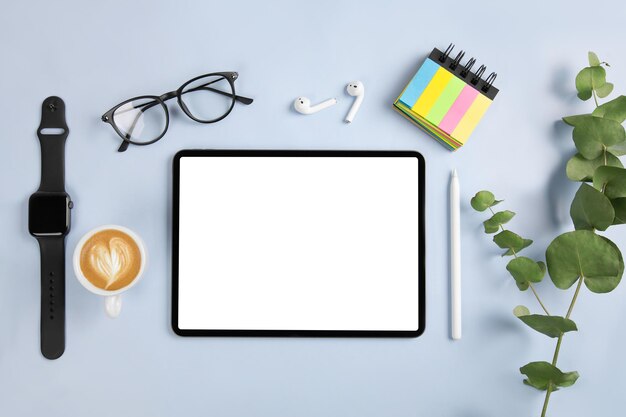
208	98
141	120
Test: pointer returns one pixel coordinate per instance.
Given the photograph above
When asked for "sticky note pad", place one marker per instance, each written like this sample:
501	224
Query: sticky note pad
432	92
458	109
419	82
471	118
446	99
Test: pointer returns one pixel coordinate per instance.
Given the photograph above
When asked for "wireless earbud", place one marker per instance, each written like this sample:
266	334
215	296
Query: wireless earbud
303	105
355	89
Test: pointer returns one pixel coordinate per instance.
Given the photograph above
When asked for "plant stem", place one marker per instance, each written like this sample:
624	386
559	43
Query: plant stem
556	351
571	306
558	345
555	357
545	403
530	284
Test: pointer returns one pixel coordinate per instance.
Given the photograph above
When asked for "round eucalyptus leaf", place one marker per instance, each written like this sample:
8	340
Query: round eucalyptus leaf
614	246
589	79
552	326
490	227
541	374
508	240
542	266
584	86
526	243
619	204
593	59
619	149
493	224
581	169
503	217
591	209
483	200
574	120
524	270
612	180
520	311
604	90
614	109
583	253
592	134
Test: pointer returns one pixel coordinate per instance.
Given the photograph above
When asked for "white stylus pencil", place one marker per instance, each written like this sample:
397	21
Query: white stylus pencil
455	257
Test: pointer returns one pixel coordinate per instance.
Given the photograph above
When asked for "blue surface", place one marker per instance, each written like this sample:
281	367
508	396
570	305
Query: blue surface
97	54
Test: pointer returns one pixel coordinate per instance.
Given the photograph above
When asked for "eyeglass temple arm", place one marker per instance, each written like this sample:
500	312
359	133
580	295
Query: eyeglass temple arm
241	99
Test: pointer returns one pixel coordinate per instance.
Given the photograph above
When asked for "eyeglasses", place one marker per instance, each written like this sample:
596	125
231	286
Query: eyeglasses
144	120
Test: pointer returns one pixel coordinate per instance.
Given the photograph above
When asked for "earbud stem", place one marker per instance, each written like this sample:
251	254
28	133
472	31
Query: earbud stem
354	109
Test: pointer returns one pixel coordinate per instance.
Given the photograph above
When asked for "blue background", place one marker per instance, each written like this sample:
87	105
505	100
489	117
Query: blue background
94	55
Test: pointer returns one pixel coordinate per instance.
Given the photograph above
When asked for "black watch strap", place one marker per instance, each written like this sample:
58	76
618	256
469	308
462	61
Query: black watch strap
52	296
52	134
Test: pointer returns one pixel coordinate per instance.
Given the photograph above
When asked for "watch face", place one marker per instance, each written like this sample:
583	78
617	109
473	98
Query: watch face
49	214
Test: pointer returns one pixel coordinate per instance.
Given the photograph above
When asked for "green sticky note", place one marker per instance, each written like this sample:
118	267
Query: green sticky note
445	101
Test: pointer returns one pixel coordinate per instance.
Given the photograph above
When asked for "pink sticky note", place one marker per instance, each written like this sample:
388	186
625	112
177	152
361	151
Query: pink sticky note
458	109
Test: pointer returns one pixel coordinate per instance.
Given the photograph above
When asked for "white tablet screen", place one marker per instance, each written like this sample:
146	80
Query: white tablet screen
298	243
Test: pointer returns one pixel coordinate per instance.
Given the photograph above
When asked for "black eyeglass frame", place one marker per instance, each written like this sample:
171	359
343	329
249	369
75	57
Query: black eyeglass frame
160	100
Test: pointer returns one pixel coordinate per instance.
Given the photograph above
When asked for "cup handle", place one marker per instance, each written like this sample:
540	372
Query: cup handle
113	305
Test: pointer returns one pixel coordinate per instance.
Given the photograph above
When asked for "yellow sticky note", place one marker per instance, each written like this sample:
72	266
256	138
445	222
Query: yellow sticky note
432	92
471	118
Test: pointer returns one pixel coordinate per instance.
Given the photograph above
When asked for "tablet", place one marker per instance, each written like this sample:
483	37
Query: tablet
298	243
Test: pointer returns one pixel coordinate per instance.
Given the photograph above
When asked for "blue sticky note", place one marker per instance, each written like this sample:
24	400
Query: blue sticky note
419	82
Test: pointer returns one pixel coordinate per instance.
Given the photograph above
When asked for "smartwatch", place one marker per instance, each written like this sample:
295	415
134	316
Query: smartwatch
49	222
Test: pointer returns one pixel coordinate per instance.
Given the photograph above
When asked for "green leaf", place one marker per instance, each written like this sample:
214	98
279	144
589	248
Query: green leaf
589	79
524	270
580	169
508	240
583	253
604	90
483	200
592	134
525	244
591	209
552	326
503	217
574	120
492	225
520	311
541	374
619	205
593	59
616	249
619	149
584	85
598	77
613	110
612	180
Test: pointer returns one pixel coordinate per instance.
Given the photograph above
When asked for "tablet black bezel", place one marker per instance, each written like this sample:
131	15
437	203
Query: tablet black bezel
298	333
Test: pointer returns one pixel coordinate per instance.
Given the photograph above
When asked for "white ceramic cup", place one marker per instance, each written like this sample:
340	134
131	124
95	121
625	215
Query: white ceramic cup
112	299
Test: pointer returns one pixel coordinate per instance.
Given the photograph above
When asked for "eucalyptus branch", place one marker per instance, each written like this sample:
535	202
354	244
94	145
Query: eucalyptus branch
600	202
530	284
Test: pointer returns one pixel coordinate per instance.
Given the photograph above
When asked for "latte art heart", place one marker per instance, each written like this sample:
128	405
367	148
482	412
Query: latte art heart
111	261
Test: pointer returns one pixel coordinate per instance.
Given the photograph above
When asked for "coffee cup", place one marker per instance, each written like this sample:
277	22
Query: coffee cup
108	261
